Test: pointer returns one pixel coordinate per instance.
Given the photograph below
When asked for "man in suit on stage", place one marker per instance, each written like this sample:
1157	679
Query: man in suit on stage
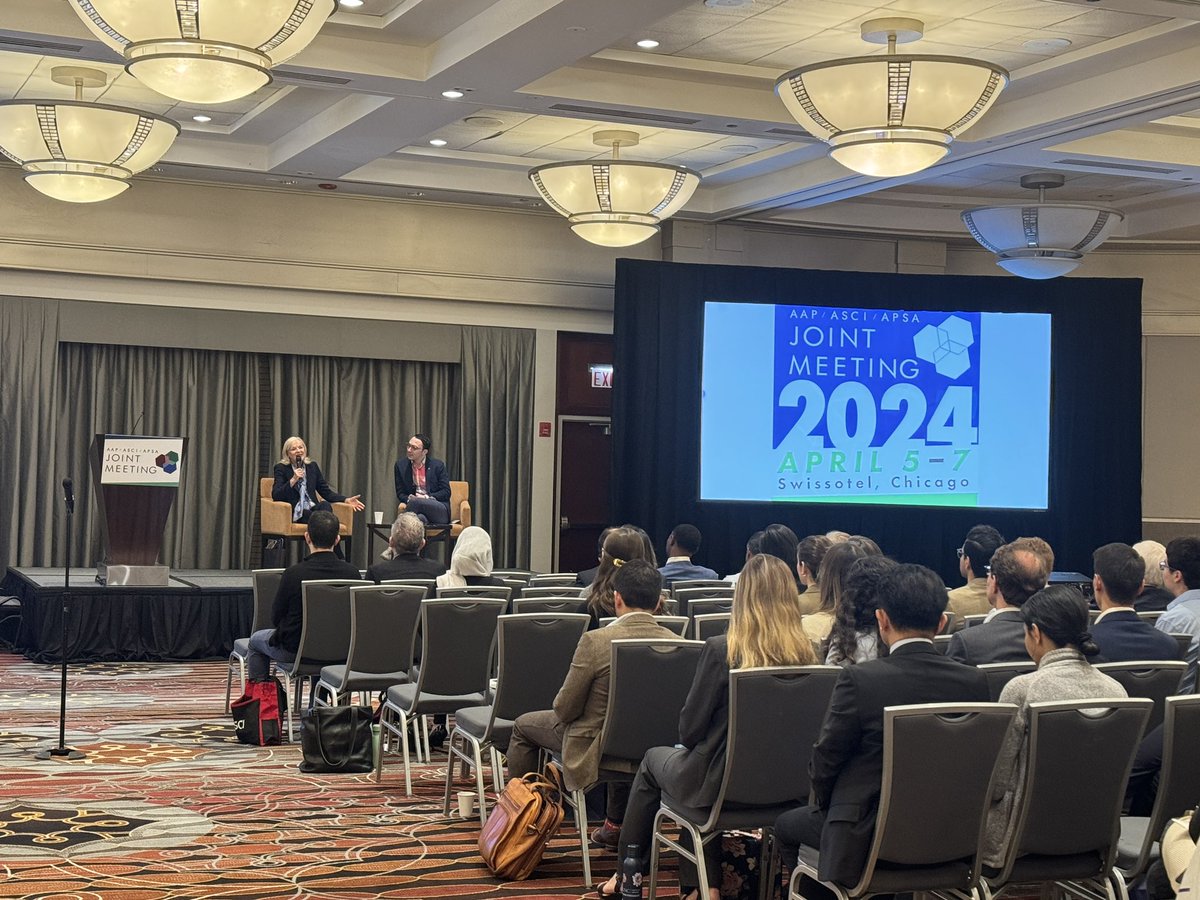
406	542
574	724
847	761
281	642
682	544
1017	574
1118	631
422	484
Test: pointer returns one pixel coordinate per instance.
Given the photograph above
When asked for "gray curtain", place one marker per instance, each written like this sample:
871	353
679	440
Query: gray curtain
30	468
497	435
356	415
208	396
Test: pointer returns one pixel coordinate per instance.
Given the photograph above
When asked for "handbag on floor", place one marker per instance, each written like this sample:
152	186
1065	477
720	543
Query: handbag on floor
256	714
521	823
336	739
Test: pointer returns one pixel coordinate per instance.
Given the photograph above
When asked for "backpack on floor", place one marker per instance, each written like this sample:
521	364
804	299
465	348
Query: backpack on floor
522	822
256	714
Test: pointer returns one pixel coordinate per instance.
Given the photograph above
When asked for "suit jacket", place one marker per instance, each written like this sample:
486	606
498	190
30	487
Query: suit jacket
693	773
437	482
1153	599
406	565
287	613
587	576
847	761
1122	636
970	599
683	571
318	487
583	699
1000	640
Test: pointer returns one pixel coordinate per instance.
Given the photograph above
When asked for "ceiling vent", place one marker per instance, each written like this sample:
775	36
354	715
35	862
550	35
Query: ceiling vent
40	46
291	75
1117	167
601	112
789	132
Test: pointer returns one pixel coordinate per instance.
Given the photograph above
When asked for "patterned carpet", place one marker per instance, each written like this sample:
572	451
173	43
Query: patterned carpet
167	804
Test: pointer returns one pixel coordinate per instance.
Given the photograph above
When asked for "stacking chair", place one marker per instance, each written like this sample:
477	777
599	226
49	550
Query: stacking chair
1000	674
775	715
949	625
941	643
649	680
710	625
1178	788
430	584
1150	615
383	624
702	606
521	574
548	604
1153	679
684	596
1184	641
493	591
457	637
266	586
324	636
688	584
552	590
513	584
1068	820
555	579
938	762
677	624
535	652
972	621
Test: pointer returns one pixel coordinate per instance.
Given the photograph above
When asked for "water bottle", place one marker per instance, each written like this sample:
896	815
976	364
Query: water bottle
631	874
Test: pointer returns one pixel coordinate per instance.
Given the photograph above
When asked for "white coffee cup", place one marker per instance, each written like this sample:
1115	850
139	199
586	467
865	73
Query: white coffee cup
378	517
466	804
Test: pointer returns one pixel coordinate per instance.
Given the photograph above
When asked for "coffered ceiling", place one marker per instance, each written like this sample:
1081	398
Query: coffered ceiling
1105	92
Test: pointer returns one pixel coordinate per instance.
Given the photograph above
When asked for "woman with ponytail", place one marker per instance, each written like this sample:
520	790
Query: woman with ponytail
1057	639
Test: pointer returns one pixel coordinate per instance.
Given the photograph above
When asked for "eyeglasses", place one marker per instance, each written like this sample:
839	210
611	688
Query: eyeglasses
959	551
1162	564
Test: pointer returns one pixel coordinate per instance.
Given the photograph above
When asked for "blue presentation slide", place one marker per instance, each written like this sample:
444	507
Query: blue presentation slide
826	404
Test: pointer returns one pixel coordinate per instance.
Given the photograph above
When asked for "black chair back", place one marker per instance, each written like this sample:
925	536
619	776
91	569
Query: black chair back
1000	674
383	625
430	584
457	637
648	683
702	606
556	591
1153	679
492	591
535	652
557	579
266	586
548	604
325	634
710	625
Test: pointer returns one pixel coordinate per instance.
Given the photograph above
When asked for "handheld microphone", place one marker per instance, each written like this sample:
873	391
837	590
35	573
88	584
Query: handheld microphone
69	494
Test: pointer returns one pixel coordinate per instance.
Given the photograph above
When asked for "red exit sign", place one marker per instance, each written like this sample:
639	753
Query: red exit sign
601	375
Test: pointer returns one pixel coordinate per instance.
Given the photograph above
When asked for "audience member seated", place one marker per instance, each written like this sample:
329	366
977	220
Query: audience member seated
809	553
471	561
781	542
764	631
1017	574
573	726
753	548
587	576
855	635
1118	631
422	484
623	545
847	761
974	556
405	543
1055	620
1153	597
682	544
837	537
1181	576
833	575
280	642
1039	548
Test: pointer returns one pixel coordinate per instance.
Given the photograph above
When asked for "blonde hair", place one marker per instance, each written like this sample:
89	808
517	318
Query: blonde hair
1152	552
283	454
765	628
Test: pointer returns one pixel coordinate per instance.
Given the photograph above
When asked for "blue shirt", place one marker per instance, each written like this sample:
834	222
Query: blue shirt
1182	616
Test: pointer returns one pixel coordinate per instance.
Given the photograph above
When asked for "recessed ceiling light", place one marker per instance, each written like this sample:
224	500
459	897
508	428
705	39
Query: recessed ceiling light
453	94
728	4
739	148
351	4
483	121
577	29
201	119
438	142
1042	45
647	43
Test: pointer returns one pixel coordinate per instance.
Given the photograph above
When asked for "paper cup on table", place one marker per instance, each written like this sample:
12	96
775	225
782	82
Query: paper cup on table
378	517
466	804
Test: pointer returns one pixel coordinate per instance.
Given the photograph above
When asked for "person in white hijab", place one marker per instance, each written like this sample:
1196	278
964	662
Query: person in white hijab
471	562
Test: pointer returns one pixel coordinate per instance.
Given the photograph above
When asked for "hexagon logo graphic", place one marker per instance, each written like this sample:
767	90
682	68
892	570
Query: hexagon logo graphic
945	346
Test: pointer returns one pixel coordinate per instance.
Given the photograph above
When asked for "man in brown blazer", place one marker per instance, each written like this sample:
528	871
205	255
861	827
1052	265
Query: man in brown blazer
573	726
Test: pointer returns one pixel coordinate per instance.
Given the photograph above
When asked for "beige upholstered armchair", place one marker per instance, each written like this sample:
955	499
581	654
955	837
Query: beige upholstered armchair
276	517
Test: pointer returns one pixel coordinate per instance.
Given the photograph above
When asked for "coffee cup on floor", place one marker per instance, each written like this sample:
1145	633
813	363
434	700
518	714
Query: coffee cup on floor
466	804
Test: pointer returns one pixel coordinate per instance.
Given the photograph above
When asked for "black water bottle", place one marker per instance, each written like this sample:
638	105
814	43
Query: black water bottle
631	874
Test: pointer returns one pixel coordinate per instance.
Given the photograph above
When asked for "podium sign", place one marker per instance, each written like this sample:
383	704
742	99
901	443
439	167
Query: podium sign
135	480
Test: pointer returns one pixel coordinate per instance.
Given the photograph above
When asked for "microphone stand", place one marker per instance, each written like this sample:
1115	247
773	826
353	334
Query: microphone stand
62	751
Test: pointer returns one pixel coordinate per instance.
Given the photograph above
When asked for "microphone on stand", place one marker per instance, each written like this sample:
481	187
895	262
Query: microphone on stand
69	494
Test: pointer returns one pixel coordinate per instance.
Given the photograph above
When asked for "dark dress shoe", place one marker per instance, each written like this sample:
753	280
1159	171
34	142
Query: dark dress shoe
437	737
607	836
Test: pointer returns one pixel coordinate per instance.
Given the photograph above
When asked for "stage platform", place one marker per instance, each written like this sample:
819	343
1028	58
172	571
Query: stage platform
197	616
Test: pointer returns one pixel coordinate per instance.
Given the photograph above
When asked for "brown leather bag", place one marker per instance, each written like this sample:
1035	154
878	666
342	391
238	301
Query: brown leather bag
522	822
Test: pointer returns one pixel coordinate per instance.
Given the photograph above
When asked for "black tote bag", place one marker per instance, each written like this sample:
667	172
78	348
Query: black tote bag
336	739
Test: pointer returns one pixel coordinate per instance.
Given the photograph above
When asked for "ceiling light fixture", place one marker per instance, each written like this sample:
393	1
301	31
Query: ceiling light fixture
453	94
77	151
202	119
1041	240
204	51
647	43
437	142
615	203
890	115
351	4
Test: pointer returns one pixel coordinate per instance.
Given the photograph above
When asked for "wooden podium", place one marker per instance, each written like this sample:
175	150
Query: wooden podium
135	479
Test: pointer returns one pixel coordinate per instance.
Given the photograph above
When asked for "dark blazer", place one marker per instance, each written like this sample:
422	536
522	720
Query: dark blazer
437	482
1152	599
847	761
587	576
289	493
1122	636
287	613
1000	640
405	565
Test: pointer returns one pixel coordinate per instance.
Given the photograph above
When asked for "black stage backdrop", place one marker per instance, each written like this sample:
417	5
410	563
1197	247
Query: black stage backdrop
1095	419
